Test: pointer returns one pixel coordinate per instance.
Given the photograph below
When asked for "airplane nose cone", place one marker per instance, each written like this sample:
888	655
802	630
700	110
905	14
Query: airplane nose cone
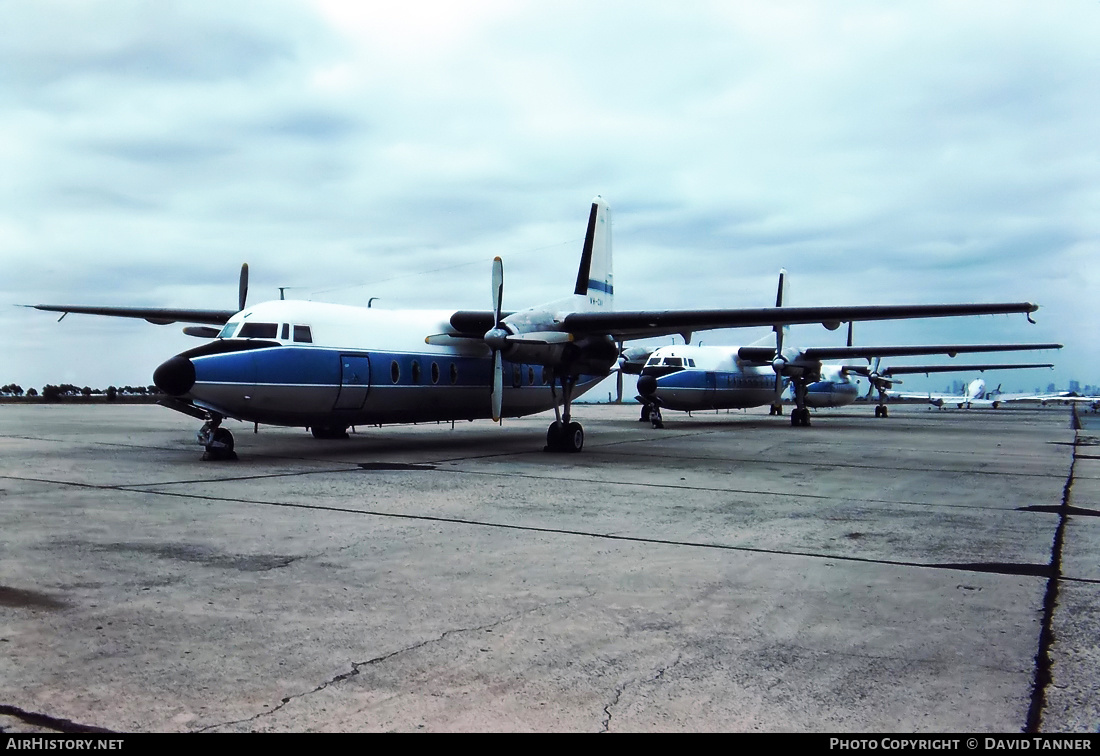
176	376
647	385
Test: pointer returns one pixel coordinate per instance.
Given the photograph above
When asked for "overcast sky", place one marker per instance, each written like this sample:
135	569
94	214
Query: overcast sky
917	152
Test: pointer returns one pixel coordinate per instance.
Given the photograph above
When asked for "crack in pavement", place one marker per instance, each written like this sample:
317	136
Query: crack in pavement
1043	662
620	689
356	666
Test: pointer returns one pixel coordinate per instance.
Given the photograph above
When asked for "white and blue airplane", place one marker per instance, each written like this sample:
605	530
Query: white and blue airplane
327	367
693	378
696	378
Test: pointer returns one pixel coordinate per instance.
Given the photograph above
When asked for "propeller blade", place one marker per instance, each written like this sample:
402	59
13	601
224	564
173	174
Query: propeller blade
242	289
498	385
619	375
498	289
498	369
778	357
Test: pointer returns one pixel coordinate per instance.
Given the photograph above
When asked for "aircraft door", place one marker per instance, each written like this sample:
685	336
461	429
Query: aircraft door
354	382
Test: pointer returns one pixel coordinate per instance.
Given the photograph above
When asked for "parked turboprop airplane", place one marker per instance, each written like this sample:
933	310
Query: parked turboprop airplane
327	367
690	378
693	378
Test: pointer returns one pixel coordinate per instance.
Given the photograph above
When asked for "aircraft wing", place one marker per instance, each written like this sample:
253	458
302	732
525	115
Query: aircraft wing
925	369
624	325
155	315
1050	397
765	354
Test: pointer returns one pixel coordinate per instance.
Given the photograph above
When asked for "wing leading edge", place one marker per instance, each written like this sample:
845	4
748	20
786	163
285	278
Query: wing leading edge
640	324
155	315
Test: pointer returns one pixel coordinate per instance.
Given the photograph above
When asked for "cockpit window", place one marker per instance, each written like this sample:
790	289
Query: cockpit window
653	362
258	331
227	330
302	333
286	332
673	362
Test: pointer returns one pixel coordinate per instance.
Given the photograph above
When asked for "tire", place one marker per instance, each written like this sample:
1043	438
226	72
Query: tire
573	439
554	437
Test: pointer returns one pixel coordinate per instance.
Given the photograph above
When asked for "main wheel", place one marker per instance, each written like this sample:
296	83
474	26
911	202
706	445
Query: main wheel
553	436
329	431
573	439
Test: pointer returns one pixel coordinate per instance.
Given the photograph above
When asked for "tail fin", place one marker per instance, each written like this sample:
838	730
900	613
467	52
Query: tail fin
595	279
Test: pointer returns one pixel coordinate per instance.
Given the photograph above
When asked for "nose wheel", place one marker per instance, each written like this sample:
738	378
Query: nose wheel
217	441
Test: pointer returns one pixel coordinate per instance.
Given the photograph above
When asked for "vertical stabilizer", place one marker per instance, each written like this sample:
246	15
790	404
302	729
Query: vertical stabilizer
594	278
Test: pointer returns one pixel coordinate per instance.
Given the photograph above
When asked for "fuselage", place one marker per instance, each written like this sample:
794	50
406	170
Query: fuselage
691	378
311	363
837	388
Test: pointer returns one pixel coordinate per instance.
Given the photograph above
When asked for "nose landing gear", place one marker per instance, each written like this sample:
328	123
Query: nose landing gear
217	441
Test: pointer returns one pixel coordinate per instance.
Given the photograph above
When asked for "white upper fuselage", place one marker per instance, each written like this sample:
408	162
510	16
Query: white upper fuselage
714	377
312	363
702	377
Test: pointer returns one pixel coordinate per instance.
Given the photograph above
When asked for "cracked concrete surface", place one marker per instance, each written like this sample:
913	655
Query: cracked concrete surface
727	574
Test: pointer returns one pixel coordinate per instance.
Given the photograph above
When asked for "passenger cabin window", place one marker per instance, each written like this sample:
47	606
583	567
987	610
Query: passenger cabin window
303	334
258	331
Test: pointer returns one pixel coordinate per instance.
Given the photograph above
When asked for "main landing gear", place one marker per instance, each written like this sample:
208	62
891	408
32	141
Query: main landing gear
218	441
564	435
880	408
800	415
329	431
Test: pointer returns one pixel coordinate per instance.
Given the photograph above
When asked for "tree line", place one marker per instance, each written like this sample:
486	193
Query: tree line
50	392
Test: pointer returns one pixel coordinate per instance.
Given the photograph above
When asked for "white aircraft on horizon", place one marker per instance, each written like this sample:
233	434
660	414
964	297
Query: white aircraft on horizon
327	367
976	395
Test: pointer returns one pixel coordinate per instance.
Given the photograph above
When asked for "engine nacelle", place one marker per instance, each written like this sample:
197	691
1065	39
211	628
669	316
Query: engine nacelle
594	355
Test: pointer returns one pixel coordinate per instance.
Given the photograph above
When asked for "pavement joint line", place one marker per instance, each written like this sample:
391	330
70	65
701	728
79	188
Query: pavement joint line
1022	569
607	446
150	487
